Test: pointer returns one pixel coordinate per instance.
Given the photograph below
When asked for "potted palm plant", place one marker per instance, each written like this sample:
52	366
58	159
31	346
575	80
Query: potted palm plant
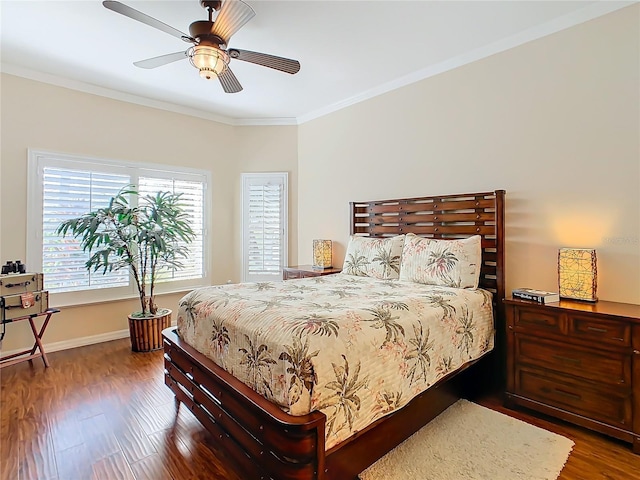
149	237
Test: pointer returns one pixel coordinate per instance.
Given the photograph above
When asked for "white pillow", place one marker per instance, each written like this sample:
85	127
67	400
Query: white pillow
448	263
373	257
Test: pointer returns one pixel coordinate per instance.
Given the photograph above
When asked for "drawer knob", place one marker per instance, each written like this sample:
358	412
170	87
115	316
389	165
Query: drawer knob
637	352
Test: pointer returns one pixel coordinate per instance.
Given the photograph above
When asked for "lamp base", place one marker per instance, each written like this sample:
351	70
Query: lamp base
586	300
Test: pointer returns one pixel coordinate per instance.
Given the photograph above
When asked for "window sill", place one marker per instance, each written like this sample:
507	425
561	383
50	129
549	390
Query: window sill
55	300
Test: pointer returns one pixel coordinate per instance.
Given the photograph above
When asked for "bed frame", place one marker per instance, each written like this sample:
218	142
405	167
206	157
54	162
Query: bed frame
267	443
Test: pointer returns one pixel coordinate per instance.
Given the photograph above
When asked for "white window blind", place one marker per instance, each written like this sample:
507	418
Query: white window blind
68	194
64	186
192	199
264	204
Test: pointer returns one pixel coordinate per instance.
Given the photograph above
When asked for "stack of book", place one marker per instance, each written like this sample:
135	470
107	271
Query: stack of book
533	295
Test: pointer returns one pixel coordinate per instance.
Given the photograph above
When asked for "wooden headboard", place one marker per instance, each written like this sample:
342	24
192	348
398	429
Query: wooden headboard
446	217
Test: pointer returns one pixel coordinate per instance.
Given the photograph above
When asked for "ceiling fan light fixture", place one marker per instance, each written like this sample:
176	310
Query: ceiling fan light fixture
210	61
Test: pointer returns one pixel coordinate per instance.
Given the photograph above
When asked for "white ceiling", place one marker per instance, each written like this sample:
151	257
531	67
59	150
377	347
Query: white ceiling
348	50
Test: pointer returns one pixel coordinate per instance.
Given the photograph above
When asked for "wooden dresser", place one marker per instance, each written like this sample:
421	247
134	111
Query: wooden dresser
305	271
577	361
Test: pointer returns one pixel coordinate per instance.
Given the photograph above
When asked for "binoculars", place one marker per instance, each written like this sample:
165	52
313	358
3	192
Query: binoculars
14	267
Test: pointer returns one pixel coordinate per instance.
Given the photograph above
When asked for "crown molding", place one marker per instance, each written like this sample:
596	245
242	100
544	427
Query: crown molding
561	23
29	74
89	88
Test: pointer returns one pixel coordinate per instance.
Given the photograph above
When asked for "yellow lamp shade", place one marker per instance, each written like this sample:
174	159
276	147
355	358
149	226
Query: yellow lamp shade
322	254
577	273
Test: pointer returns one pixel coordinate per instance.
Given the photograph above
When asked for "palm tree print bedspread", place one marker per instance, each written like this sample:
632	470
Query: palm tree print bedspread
356	348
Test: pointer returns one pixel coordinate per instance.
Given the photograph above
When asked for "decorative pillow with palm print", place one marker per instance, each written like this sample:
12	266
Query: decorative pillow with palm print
374	257
448	263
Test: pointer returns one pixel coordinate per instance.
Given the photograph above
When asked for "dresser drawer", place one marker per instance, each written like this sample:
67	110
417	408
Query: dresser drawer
608	406
538	319
600	331
598	366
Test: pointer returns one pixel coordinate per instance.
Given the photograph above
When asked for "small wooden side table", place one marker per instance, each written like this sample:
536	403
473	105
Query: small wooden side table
305	271
37	335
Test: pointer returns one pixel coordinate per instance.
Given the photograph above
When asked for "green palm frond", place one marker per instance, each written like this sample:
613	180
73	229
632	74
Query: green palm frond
315	324
418	356
441	263
356	264
256	360
344	401
220	335
388	261
189	303
465	329
382	319
438	300
147	234
298	356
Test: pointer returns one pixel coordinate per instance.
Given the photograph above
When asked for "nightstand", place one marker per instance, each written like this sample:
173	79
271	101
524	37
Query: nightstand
577	361
305	271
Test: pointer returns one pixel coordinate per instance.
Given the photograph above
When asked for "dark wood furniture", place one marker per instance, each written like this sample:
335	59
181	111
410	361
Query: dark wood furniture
269	443
306	271
577	361
37	336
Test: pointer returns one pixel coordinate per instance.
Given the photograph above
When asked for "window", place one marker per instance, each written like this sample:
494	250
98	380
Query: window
264	226
63	187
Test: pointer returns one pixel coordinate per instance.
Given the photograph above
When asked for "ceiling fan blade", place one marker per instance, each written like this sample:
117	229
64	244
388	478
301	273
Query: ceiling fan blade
279	63
127	11
161	60
229	82
232	16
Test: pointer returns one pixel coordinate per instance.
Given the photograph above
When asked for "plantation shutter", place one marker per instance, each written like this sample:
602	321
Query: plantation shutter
192	192
61	187
264	206
66	194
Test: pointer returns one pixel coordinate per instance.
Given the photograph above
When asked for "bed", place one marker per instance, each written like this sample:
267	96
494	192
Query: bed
273	433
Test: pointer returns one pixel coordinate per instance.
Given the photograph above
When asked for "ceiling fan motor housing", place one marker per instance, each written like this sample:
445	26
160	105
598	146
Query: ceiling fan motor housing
201	31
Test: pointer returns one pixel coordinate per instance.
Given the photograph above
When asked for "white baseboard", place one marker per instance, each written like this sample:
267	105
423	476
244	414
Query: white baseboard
77	342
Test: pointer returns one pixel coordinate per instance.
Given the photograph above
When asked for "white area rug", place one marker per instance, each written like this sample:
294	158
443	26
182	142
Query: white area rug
471	442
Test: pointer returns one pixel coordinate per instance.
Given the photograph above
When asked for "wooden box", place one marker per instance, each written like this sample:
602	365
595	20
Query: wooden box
12	305
16	283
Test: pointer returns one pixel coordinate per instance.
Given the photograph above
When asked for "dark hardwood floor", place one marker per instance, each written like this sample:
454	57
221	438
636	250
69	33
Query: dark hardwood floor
103	412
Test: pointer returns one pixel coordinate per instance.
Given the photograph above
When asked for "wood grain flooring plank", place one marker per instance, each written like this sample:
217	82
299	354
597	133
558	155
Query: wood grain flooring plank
156	418
65	429
74	463
152	468
9	441
132	439
208	459
113	467
176	456
37	458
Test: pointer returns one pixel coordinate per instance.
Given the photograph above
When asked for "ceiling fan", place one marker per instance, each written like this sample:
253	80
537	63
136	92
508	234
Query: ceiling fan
209	53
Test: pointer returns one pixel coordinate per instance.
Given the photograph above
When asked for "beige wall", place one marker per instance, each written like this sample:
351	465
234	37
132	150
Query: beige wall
41	116
555	122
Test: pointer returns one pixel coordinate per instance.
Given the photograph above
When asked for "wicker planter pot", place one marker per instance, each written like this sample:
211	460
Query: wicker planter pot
146	333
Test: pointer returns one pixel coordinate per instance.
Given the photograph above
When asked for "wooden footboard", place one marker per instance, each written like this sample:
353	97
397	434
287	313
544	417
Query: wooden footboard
261	438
